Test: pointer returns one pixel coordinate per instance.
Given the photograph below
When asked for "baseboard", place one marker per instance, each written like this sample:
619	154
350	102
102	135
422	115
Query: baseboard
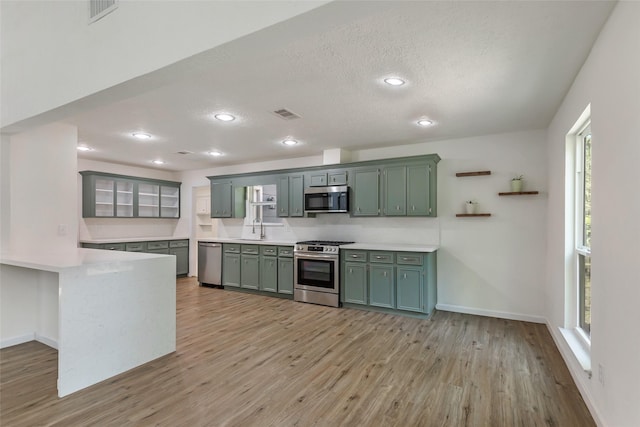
9	342
491	313
47	341
580	377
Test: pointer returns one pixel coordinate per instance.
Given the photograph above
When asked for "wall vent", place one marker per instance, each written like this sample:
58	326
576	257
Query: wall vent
100	8
286	114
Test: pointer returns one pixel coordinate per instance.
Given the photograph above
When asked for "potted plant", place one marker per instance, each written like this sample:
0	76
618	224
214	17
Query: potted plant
470	206
516	184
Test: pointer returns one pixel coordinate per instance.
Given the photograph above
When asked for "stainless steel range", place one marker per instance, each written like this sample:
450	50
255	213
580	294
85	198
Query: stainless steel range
316	272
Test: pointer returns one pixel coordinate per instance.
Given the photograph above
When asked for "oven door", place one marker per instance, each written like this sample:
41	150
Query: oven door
316	272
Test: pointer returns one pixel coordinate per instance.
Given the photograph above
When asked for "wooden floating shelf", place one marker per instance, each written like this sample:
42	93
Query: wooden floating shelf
478	173
478	214
517	193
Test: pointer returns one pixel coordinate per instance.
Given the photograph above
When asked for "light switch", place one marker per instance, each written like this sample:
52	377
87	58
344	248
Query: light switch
62	229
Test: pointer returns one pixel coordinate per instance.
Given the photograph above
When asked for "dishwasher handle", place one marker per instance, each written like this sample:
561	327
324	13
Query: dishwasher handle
209	245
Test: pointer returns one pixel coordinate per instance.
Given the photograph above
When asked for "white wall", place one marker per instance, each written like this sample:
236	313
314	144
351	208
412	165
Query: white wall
490	266
112	228
43	198
5	194
137	38
609	81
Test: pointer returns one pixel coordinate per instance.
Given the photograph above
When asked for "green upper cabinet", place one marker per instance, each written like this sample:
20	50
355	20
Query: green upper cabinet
118	196
318	179
296	195
227	200
283	196
395	190
409	190
290	195
419	195
366	192
338	178
221	200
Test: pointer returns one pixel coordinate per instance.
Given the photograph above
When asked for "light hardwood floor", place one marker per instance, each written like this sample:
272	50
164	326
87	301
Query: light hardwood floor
247	360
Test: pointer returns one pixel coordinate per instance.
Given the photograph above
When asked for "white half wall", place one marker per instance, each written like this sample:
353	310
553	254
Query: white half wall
43	197
609	82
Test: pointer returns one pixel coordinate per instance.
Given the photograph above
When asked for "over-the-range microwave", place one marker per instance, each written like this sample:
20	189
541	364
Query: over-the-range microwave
326	199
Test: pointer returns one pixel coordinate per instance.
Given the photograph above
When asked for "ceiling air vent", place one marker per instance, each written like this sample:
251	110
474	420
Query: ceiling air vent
100	8
286	114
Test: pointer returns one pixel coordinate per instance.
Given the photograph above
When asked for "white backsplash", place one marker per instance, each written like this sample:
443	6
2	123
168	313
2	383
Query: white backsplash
342	227
110	228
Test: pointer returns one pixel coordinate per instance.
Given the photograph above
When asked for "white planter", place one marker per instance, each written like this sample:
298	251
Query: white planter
516	185
471	208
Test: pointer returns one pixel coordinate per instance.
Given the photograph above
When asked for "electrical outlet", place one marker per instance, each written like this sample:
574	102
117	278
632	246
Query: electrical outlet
601	374
62	229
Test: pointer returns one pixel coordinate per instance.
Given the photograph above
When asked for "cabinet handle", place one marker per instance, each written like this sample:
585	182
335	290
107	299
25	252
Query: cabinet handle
358	208
351	271
404	276
379	257
409	259
413	208
355	256
397	207
385	274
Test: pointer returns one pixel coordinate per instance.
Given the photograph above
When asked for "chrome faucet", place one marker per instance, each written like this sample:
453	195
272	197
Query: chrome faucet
262	230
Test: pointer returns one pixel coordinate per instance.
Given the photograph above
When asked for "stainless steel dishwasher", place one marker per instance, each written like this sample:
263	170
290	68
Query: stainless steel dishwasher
210	263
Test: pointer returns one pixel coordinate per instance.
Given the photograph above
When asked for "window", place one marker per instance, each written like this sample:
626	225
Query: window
583	227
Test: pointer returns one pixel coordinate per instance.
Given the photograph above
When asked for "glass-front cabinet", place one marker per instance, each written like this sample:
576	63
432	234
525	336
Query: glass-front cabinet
117	196
148	200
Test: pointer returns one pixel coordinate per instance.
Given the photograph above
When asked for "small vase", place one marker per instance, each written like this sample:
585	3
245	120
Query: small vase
471	208
516	185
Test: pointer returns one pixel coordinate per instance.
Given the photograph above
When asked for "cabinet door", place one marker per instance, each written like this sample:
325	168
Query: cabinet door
337	178
395	191
182	260
366	192
231	270
381	286
296	195
148	200
104	189
169	202
250	271
355	283
318	179
283	196
285	275
269	274
124	199
220	200
418	191
410	289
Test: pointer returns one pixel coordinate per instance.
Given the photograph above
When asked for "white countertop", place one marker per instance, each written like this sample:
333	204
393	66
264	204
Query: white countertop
247	241
133	239
398	247
81	257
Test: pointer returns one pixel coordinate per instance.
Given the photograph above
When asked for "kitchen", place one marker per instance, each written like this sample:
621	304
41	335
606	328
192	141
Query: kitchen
492	266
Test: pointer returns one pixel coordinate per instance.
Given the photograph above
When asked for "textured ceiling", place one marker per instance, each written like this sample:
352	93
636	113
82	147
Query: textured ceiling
474	68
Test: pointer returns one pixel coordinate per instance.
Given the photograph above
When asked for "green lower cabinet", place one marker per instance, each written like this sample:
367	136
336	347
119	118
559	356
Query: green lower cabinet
410	288
231	270
250	277
355	283
381	286
182	260
285	276
269	274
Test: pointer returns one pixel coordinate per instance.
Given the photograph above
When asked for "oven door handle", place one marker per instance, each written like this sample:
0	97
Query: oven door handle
308	256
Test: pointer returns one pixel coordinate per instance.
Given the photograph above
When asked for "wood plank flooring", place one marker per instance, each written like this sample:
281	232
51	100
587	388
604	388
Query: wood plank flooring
247	360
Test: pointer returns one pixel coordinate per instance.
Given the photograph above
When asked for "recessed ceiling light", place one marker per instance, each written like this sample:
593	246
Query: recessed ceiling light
425	122
158	162
394	81
225	117
214	153
289	141
84	148
141	135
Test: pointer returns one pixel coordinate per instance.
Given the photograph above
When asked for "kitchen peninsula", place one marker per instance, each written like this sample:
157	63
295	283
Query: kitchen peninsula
105	311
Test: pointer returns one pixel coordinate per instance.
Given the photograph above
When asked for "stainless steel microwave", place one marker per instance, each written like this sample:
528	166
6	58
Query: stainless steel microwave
326	199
